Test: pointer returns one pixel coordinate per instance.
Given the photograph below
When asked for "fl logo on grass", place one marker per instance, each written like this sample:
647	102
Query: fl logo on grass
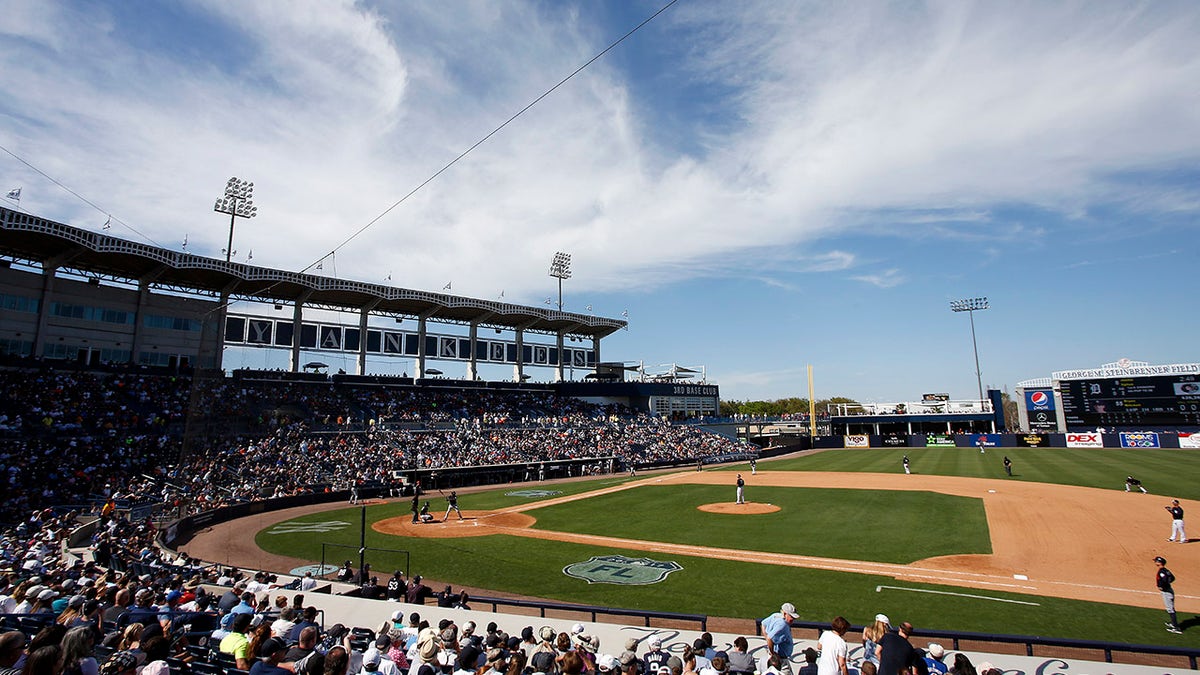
618	569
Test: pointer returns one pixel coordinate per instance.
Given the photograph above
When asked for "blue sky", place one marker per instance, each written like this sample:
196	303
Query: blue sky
761	185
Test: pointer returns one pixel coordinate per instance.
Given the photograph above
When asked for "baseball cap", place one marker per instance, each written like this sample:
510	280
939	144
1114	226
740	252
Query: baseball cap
654	643
270	646
884	618
1160	559
398	616
936	650
607	663
547	633
788	608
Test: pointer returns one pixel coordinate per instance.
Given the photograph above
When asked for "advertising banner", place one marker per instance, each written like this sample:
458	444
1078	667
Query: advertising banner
984	440
939	441
1189	440
1033	441
1039	399
1139	439
856	441
1091	439
901	441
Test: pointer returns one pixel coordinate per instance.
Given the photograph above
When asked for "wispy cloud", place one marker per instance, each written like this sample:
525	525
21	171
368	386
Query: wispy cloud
936	112
885	279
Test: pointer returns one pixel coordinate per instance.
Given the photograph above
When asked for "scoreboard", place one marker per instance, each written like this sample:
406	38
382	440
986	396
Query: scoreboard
1158	402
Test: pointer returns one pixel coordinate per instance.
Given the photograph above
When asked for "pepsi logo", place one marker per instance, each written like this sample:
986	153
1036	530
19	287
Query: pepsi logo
1038	398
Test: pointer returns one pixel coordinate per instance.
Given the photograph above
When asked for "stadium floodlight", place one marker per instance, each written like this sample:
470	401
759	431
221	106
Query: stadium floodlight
970	306
560	268
238	204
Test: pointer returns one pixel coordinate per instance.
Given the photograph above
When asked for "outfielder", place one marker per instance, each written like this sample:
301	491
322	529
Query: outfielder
741	490
906	469
452	505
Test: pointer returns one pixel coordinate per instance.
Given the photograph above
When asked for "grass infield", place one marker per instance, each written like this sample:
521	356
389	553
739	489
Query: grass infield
849	524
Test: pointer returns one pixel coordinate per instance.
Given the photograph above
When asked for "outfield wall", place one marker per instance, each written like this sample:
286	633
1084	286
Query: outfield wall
1127	440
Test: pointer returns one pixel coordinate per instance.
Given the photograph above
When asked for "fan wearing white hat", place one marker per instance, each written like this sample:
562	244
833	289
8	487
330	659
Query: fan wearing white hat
777	629
872	633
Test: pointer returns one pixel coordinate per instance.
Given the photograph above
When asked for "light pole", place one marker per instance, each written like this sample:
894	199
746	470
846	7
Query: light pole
560	268
237	204
970	306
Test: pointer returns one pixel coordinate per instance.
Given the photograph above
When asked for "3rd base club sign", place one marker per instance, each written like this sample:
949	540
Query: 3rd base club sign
618	569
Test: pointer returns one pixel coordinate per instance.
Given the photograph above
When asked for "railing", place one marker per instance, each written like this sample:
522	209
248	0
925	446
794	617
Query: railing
1029	641
592	610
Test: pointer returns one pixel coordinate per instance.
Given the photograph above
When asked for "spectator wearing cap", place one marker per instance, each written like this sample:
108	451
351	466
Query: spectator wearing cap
270	655
654	656
543	662
934	654
377	653
528	643
699	646
871	636
497	661
607	664
237	643
630	663
777	630
425	656
468	661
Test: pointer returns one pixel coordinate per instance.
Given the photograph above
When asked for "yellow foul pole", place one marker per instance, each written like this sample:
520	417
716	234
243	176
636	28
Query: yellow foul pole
812	407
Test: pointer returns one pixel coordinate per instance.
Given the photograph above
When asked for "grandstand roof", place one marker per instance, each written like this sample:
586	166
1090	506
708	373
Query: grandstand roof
28	238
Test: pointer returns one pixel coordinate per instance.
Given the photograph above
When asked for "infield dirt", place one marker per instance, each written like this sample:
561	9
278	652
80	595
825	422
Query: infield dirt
1051	540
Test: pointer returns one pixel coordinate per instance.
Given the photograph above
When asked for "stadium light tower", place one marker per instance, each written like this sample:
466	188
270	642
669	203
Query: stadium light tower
560	268
237	204
970	306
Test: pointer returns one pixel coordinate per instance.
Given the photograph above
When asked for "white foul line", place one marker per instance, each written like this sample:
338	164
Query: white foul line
961	595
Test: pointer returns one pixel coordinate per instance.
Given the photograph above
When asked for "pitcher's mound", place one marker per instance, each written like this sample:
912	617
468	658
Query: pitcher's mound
747	509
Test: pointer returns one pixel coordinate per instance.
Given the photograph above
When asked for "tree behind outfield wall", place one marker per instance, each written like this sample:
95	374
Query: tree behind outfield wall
780	407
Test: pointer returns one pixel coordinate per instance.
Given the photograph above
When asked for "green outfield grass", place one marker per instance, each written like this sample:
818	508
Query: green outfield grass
878	525
1164	472
739	589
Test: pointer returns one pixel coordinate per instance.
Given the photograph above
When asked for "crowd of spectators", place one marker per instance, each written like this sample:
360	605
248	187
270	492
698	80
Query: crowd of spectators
119	434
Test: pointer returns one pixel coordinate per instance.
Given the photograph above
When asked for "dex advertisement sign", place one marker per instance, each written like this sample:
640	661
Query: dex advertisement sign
1140	439
1088	440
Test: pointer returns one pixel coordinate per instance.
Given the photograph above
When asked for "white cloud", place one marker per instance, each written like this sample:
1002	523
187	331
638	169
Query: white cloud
336	110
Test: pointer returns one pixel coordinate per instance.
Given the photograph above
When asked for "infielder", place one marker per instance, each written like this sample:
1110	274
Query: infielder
906	469
1131	482
741	490
1176	521
1163	579
452	505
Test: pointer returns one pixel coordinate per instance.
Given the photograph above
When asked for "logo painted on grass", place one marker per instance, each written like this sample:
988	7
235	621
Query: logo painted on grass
533	494
317	570
618	569
295	528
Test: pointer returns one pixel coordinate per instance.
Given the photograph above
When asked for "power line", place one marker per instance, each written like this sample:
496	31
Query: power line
81	198
493	132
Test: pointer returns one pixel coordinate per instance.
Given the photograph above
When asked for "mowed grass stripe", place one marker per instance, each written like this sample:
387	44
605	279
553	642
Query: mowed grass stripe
873	525
1164	471
533	567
